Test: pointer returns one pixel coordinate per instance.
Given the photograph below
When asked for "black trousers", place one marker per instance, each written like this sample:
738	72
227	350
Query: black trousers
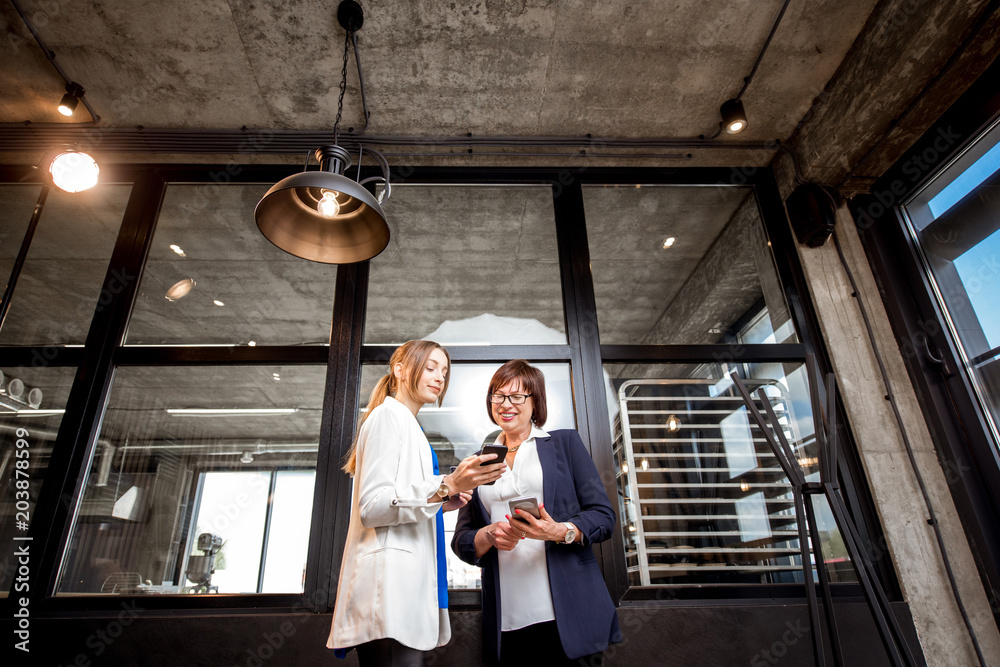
539	644
388	653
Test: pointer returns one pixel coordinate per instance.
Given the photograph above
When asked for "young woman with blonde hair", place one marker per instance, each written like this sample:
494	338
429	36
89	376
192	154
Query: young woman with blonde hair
392	599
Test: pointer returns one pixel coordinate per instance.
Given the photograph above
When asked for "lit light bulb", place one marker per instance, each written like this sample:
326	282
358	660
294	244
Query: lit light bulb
645	464
328	206
669	241
736	126
625	467
744	486
673	424
74	172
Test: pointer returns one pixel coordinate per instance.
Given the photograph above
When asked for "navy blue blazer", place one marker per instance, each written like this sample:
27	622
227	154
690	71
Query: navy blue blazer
585	615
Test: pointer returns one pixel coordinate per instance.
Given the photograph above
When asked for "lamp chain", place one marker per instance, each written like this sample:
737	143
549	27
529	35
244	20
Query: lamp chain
343	89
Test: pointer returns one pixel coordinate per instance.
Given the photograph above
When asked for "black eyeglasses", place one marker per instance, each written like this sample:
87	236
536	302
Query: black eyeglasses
515	399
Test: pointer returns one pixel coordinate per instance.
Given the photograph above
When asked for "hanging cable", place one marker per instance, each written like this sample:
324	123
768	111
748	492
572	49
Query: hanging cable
767	42
52	59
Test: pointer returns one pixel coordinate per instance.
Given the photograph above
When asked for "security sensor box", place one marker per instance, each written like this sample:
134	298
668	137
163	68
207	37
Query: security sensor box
811	213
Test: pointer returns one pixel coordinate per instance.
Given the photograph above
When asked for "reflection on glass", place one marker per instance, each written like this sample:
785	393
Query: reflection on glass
461	426
955	221
212	278
708	503
27	436
17	203
683	265
180	478
59	287
478	261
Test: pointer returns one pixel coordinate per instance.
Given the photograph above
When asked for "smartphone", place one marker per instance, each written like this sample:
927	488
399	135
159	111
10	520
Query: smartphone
499	450
529	505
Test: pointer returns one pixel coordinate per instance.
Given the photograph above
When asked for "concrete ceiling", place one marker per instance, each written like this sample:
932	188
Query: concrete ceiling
523	69
520	68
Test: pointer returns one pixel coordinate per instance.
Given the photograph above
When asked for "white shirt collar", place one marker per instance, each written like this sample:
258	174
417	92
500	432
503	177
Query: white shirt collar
534	435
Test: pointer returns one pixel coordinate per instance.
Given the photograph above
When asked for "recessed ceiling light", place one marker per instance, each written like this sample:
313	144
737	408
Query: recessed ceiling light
252	343
217	302
219	412
669	241
180	289
178	250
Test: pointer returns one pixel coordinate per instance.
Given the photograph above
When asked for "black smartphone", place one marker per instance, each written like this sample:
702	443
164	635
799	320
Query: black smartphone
529	505
499	450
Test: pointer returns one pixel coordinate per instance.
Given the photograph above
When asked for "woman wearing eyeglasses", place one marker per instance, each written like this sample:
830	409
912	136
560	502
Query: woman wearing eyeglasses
392	597
544	599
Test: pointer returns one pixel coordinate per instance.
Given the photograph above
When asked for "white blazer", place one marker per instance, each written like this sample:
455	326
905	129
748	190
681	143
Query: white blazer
388	576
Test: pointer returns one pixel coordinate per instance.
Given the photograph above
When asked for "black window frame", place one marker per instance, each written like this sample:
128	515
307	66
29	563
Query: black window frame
961	437
346	353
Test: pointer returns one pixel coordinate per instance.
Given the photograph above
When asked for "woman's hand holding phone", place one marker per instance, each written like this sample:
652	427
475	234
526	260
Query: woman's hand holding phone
475	470
545	528
503	536
457	501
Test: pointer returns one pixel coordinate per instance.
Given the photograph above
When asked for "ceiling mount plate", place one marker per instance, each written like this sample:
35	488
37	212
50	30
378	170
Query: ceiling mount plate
350	15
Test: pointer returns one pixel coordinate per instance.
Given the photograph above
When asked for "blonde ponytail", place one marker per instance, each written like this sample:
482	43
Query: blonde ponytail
413	355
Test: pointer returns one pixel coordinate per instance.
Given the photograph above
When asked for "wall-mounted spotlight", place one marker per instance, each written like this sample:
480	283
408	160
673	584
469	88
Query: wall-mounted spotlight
734	118
74	171
67	105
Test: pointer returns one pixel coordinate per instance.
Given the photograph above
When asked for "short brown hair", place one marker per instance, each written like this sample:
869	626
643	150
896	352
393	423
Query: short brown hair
532	382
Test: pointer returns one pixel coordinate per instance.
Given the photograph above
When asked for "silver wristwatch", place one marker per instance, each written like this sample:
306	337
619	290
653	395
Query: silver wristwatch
570	534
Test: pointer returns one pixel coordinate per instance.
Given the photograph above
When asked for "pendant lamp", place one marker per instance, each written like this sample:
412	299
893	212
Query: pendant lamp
324	216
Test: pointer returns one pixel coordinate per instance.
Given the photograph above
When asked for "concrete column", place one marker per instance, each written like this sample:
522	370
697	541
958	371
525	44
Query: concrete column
910	539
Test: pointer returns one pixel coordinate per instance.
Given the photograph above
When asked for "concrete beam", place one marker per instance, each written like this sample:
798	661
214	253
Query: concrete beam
909	539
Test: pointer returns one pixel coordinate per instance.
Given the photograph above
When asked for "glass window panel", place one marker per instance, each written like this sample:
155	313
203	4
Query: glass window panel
472	265
232	506
27	436
212	277
683	265
60	284
955	221
147	498
461	426
701	496
17	203
285	564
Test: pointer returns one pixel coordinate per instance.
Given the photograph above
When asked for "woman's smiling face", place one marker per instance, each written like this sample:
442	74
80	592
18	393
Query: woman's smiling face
513	418
432	377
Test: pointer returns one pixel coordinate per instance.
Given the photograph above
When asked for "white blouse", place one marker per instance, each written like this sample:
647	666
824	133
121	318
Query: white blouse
525	598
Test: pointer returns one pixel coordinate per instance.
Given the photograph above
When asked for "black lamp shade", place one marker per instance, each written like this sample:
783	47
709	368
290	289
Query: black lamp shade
734	118
288	217
67	105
